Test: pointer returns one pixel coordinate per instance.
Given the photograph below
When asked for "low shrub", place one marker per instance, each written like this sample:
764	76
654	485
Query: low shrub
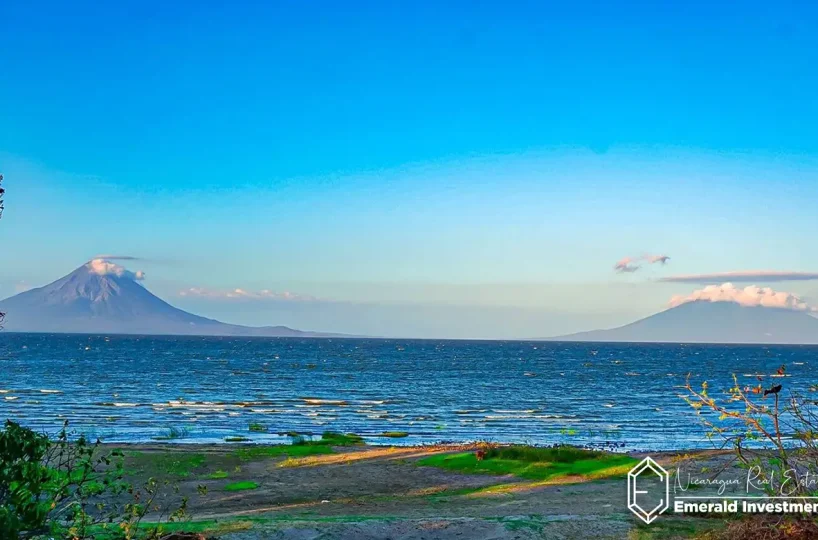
533	454
70	489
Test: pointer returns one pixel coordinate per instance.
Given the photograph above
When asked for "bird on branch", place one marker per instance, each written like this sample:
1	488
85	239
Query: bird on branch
774	390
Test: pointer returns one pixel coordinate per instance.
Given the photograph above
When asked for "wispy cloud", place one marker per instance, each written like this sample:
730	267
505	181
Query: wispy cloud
632	264
750	296
626	265
118	258
742	276
653	259
242	294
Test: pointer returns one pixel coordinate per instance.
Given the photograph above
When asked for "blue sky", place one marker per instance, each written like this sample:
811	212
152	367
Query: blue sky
475	160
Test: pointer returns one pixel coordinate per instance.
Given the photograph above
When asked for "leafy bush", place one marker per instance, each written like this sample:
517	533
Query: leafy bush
62	489
333	438
773	432
768	430
23	479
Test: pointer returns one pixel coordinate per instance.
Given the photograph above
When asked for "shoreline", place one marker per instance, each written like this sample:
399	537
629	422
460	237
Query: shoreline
453	445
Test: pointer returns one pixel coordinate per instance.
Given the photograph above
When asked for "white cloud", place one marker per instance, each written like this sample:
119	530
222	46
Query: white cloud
241	294
102	267
750	296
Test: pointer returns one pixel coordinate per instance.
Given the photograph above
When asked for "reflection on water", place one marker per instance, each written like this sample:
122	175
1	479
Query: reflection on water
137	388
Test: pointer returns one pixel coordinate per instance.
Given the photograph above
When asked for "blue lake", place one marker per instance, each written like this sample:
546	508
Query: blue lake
135	388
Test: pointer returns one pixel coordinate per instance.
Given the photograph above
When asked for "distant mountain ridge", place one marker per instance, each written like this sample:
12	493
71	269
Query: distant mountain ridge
87	301
712	322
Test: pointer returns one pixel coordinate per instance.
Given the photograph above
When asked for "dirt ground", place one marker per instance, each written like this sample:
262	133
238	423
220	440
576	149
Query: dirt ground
382	492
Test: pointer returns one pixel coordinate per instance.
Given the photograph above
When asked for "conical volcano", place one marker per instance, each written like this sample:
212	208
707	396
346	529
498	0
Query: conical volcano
103	297
713	322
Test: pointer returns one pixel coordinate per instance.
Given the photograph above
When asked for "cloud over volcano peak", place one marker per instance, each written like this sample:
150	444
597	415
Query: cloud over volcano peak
750	296
102	267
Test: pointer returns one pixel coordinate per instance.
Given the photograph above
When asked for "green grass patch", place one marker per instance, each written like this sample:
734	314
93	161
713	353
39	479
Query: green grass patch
394	434
555	454
333	438
180	464
301	446
217	475
236	439
210	526
446	494
251	453
241	486
534	463
257	428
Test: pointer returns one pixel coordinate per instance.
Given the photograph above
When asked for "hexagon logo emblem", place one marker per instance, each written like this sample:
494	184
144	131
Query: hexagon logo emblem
648	490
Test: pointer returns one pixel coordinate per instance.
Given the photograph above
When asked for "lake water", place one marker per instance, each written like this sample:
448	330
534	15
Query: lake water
124	388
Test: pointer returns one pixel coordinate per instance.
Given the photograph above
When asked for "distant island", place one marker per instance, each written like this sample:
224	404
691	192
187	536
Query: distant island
101	297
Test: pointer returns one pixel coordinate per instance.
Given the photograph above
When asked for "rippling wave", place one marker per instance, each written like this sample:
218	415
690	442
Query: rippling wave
208	389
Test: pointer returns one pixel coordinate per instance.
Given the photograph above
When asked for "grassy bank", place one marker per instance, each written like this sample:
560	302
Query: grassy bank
534	463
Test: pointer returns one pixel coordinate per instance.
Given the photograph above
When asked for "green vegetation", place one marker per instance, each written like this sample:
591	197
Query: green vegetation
207	527
333	438
534	454
217	475
772	432
241	486
536	463
257	428
251	453
173	433
301	446
394	434
236	439
449	493
48	485
180	464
